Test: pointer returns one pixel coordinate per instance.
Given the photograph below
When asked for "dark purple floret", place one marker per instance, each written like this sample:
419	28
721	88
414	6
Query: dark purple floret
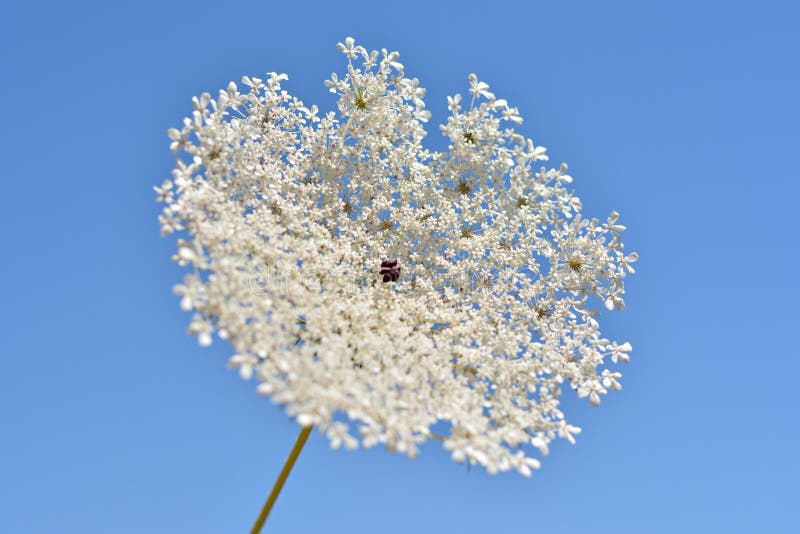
390	271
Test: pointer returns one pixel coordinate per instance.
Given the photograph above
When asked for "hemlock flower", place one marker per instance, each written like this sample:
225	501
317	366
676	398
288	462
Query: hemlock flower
385	292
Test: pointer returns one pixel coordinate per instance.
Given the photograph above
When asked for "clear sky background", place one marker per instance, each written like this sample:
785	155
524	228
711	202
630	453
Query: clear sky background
683	116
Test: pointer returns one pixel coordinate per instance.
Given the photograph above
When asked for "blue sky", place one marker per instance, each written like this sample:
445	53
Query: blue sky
682	116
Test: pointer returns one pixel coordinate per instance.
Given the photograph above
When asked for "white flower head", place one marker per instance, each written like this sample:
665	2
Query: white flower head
385	292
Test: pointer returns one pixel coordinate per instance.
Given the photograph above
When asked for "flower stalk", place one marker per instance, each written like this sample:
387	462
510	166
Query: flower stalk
276	489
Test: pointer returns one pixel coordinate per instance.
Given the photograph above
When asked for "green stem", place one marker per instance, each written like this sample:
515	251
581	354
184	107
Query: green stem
287	468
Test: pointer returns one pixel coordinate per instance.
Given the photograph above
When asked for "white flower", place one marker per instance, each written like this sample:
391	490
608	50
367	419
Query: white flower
477	88
384	292
454	103
164	193
351	51
620	352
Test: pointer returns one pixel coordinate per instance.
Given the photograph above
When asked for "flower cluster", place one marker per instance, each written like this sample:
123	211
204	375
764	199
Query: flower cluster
385	292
